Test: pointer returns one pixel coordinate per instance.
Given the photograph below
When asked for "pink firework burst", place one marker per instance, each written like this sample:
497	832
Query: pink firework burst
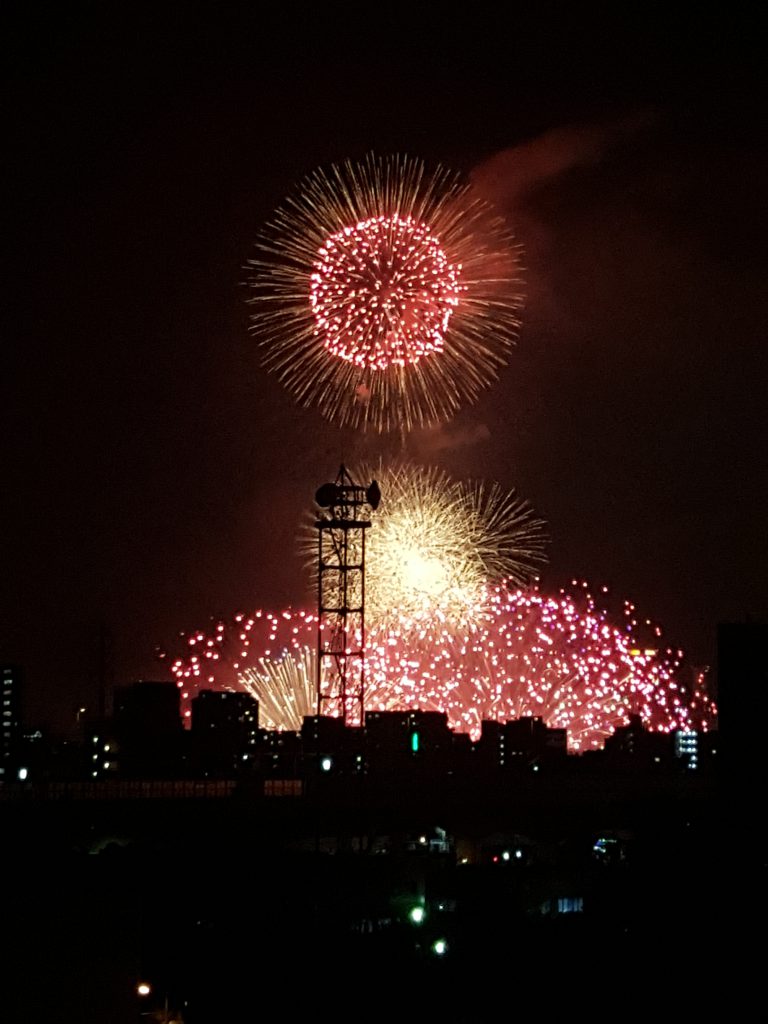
560	657
383	292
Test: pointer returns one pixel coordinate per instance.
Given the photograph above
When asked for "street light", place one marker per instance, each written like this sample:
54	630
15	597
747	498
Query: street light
144	989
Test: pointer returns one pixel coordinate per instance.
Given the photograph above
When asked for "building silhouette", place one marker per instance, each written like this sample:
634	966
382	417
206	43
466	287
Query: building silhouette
224	733
520	743
408	741
10	733
742	691
145	737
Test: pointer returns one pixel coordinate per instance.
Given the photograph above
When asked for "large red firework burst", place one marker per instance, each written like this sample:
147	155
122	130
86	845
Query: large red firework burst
561	657
385	295
383	292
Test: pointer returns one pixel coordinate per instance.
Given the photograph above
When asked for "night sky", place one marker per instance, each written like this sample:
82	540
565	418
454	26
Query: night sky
154	475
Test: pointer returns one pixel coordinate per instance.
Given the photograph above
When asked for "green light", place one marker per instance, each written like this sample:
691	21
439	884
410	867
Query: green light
415	742
416	915
440	947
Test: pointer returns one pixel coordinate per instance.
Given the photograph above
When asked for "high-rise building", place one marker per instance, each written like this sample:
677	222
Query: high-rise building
399	740
10	732
529	741
634	748
147	730
742	695
520	743
225	731
687	748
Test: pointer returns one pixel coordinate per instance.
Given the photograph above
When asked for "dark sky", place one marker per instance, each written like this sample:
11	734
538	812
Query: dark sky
154	476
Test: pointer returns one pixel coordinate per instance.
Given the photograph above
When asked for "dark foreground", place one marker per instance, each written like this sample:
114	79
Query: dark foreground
590	904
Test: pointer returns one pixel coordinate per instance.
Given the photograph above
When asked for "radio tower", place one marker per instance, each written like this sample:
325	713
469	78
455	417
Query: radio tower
341	596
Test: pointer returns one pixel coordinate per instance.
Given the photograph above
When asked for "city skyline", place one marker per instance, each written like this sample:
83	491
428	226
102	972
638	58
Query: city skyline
157	476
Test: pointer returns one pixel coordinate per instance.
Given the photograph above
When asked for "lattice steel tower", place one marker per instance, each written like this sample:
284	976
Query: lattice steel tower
341	596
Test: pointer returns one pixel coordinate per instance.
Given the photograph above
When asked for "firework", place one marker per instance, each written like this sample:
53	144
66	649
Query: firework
285	687
385	295
213	658
436	545
562	657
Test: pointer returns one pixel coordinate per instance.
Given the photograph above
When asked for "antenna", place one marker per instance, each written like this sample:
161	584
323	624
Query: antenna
341	595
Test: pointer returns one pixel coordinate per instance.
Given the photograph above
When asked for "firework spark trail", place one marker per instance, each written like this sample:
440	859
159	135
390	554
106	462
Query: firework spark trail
285	688
559	657
385	295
